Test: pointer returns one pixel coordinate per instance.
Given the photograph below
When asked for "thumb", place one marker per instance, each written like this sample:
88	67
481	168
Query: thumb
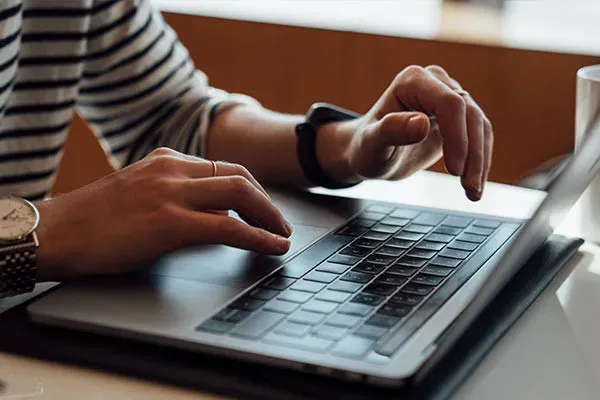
379	139
398	129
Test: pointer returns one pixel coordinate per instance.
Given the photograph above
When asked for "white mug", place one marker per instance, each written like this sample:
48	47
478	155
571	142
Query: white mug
587	107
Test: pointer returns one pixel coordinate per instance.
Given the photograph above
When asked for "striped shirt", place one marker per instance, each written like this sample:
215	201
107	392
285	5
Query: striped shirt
116	63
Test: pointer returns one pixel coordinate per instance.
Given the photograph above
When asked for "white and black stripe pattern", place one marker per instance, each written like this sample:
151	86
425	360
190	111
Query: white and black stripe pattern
114	61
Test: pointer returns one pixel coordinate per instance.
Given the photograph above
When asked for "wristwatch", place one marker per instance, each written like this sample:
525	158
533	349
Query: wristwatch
18	244
318	115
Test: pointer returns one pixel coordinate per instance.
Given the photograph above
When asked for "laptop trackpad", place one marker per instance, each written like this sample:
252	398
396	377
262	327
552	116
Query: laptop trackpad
228	266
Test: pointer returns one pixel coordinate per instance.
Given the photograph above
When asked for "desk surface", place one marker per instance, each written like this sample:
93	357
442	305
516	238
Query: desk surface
551	353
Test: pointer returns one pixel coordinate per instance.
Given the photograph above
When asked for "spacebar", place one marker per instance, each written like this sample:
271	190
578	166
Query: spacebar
313	256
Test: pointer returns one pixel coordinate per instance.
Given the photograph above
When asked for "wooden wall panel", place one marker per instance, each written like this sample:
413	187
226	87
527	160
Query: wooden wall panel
528	95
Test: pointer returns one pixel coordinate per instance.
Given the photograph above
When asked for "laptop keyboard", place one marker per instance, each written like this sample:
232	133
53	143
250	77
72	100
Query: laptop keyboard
370	285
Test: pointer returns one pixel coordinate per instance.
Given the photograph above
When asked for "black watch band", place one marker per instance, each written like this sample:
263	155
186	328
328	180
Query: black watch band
306	133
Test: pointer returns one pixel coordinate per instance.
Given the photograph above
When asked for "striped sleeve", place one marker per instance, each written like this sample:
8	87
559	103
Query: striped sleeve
140	89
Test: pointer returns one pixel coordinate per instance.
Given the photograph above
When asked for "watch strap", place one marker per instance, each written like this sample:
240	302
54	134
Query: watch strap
18	266
306	133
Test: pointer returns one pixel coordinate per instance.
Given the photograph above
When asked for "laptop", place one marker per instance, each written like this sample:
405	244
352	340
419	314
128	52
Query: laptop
370	291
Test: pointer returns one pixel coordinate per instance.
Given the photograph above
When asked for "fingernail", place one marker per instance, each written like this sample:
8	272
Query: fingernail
283	244
416	123
288	228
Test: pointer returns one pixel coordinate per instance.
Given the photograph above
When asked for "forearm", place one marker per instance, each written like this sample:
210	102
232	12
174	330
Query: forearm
265	143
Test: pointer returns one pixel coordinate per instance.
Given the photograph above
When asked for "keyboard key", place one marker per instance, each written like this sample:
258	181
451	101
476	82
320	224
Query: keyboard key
457	222
351	230
308	259
404	213
468	246
400	243
368	299
368	268
365	223
366	243
355	251
439	237
408	236
356	309
405	299
331	332
429	219
309	343
395	221
448	230
323	277
343	259
382	228
390	251
278	283
380	288
484	223
343	320
469	237
295	296
357	277
284	307
224	313
416	228
308	286
402	270
306	317
263	294
454	253
247	304
480	231
381	209
391	279
411	262
377	236
380	259
371	331
427	245
258	324
215	326
425	279
395	310
347	287
319	306
237	316
353	347
419	290
375	216
333	268
292	329
333	296
445	262
383	320
421	253
435	270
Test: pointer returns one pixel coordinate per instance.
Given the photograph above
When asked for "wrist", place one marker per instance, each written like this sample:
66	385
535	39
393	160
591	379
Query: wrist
332	148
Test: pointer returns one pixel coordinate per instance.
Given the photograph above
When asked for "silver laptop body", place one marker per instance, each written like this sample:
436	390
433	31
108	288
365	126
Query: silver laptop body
265	309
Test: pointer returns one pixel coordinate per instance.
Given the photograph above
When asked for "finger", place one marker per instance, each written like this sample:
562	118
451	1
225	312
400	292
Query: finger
471	179
238	194
487	153
217	229
418	89
380	138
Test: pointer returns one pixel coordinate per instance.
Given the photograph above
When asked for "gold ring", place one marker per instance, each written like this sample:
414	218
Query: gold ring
214	165
462	92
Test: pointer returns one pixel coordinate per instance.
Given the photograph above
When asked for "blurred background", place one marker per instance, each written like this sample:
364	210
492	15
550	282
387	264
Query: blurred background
518	58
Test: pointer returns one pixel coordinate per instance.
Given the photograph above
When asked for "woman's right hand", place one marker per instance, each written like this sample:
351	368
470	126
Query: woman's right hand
162	203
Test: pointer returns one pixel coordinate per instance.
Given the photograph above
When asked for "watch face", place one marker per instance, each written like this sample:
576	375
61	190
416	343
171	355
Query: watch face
18	218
